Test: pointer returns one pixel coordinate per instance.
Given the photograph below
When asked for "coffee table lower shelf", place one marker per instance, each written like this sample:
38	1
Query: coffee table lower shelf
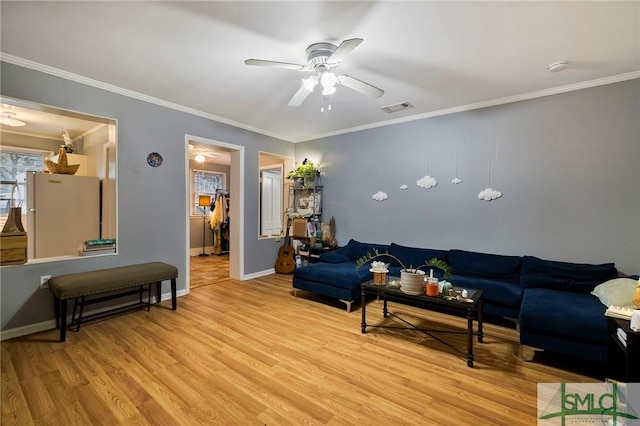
473	311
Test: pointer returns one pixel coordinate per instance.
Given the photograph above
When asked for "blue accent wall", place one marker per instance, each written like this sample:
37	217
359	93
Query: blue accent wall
568	166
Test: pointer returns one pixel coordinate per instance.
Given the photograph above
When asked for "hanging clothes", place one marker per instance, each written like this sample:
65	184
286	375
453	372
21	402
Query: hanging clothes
219	213
218	220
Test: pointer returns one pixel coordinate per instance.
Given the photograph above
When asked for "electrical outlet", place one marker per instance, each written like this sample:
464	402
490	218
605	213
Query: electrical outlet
44	281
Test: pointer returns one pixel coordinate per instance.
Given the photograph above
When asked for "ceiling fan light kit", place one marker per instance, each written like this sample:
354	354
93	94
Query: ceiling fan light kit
8	120
322	58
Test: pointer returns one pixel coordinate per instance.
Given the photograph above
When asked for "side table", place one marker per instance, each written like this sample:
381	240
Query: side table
623	362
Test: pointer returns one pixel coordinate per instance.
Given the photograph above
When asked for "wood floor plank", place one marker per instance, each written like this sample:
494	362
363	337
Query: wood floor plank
250	353
14	403
64	396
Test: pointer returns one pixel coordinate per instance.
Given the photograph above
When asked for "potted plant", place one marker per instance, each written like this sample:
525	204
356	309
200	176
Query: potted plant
304	175
412	278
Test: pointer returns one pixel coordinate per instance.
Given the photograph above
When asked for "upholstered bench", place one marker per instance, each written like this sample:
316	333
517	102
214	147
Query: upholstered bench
117	281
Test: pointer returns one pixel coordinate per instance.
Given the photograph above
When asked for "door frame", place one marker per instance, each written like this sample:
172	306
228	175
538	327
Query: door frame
236	204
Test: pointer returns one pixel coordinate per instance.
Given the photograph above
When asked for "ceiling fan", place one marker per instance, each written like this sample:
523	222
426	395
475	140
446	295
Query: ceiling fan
201	154
322	58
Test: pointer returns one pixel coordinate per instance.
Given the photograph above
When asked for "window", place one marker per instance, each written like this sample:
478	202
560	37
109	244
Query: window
204	183
14	163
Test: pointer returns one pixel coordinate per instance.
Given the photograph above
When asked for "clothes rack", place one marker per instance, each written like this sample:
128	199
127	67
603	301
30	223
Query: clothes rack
219	221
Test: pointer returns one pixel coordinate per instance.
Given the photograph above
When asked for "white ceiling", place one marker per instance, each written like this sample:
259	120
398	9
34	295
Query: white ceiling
439	56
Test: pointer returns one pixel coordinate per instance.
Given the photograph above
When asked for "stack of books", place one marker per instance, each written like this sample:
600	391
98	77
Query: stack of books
94	247
619	312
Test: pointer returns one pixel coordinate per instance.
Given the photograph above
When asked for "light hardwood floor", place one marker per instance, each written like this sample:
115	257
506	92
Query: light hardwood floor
206	270
249	353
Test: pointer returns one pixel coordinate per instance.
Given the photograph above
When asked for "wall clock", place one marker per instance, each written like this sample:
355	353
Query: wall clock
154	159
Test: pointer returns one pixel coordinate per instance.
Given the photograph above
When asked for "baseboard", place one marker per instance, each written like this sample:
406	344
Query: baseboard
27	329
198	251
259	274
51	324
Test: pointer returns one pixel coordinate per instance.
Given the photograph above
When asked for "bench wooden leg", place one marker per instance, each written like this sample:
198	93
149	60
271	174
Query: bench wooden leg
63	319
60	308
174	301
73	319
56	310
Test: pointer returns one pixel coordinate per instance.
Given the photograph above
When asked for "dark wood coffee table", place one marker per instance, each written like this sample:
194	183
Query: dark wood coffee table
472	308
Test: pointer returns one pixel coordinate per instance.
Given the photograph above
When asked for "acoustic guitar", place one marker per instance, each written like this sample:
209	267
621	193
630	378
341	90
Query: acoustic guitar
286	263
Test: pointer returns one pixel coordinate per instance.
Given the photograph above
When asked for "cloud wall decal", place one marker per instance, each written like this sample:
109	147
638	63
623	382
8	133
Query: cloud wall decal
489	194
380	196
403	187
456	181
426	182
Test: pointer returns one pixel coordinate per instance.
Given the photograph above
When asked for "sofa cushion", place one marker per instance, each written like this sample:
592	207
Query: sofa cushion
413	256
496	292
574	277
338	255
343	275
573	316
482	265
617	292
356	249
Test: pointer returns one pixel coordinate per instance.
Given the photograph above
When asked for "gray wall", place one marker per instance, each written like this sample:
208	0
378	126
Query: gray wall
568	166
151	201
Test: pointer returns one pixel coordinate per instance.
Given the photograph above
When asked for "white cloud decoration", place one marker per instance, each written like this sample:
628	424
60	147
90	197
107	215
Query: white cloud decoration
403	187
456	181
489	194
380	196
426	182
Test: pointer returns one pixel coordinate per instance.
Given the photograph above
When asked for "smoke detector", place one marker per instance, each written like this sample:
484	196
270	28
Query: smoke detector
557	66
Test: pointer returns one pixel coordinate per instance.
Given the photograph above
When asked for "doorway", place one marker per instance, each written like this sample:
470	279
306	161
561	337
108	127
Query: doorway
213	247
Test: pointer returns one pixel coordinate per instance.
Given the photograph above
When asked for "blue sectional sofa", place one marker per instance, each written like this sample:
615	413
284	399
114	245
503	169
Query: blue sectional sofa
551	301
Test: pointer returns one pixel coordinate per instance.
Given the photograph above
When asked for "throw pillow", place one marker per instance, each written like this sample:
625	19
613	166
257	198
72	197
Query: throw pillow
575	277
616	292
484	265
413	256
357	249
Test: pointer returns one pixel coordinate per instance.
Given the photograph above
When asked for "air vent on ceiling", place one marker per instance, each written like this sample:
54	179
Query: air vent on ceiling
397	107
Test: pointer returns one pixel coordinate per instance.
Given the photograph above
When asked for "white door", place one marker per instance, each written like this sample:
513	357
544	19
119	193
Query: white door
271	199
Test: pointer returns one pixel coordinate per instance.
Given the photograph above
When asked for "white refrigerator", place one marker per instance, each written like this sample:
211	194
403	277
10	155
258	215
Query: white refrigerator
63	211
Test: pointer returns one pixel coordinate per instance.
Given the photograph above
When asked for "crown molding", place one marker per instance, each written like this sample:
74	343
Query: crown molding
484	104
493	102
15	60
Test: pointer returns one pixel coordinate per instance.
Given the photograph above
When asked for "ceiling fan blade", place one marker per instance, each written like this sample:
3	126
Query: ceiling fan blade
274	64
344	49
360	86
299	97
